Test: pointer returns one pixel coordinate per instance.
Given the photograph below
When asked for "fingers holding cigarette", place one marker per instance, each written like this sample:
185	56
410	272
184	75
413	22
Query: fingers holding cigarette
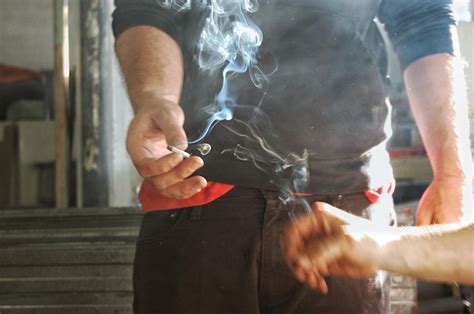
178	151
178	182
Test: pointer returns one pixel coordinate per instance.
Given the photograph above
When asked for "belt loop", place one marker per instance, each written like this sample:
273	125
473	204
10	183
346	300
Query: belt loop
195	213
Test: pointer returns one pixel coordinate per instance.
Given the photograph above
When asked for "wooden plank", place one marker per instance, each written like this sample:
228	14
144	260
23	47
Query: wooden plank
61	73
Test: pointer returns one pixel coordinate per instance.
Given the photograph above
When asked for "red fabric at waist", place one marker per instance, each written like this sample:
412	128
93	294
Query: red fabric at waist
152	201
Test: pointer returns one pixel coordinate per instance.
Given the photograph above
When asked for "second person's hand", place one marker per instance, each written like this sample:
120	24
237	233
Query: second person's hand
318	244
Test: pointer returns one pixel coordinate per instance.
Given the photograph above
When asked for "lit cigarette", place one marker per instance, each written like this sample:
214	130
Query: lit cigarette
179	151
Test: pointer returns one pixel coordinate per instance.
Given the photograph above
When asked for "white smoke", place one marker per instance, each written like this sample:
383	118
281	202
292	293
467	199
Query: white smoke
230	40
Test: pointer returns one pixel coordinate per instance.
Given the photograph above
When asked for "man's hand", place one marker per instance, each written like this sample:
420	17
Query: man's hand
157	124
318	244
442	202
344	255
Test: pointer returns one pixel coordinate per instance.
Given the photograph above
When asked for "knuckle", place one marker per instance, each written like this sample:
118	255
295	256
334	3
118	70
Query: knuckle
182	174
144	171
318	207
189	167
159	184
168	163
187	170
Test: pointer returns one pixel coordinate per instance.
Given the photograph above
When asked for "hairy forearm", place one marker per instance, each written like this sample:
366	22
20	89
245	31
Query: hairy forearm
438	253
152	64
437	93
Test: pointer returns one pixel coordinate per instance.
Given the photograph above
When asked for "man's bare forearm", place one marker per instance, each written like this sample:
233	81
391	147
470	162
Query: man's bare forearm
437	253
152	64
437	92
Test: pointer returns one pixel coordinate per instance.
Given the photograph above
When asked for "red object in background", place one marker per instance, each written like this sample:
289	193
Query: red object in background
20	84
10	74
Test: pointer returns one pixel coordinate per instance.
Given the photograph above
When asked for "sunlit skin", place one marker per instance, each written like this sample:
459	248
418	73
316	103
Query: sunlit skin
436	89
333	242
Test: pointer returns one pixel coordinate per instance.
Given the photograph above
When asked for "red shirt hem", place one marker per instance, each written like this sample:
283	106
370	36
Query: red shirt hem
152	201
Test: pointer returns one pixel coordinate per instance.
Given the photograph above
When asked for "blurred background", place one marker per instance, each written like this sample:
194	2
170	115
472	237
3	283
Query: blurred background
68	207
96	171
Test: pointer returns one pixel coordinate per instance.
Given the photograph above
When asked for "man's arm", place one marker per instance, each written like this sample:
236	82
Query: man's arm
437	253
152	64
437	92
425	39
333	242
147	49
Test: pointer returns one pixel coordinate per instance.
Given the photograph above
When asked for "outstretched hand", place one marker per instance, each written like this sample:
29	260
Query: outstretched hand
320	243
154	127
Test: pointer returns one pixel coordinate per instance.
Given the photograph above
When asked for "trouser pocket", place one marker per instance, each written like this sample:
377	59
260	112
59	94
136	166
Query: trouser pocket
158	224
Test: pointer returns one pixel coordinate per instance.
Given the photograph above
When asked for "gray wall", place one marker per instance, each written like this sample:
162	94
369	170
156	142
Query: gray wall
27	40
26	33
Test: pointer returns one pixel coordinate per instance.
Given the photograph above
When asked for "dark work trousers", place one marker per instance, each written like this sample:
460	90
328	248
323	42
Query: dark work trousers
225	257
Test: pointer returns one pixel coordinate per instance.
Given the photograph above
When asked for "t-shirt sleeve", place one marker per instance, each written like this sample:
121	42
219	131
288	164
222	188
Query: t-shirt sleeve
419	28
130	13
